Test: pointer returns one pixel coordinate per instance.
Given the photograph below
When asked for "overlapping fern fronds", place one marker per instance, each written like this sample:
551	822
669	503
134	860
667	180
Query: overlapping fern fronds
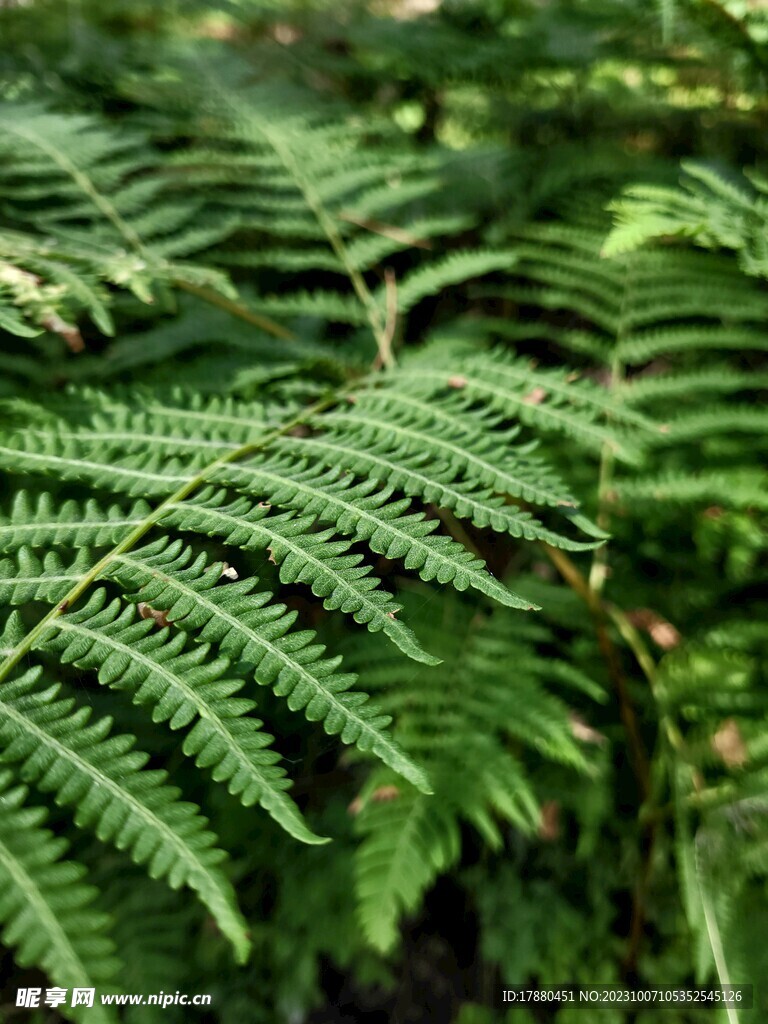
46	909
709	209
470	722
84	209
312	487
712	696
310	192
644	317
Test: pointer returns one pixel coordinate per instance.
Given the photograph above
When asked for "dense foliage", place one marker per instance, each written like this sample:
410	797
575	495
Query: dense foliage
384	503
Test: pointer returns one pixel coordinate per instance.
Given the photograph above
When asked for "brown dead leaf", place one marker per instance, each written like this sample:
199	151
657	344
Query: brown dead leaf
146	611
549	825
665	635
535	397
69	332
660	631
384	794
583	731
728	743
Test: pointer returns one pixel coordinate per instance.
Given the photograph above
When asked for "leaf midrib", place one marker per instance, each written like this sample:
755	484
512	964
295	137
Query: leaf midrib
50	922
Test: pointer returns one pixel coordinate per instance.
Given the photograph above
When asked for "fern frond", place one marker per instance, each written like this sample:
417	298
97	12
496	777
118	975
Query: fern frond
647	345
455	435
46	909
202	329
325	305
453	269
304	555
461	720
733	489
309	506
716	420
365	512
30	578
654	310
92	227
641	304
549	400
151	960
434	484
183	686
61	751
707	208
368	250
149	474
681	385
247	627
411	840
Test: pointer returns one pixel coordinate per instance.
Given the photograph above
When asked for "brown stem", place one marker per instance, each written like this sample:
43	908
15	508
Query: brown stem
610	654
602	613
236	309
629	963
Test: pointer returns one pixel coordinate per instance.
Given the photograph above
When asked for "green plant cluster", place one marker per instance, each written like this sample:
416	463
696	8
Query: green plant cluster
382	522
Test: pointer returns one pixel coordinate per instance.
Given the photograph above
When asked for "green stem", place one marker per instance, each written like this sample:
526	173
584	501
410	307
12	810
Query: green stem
330	229
713	930
600	614
599	569
132	238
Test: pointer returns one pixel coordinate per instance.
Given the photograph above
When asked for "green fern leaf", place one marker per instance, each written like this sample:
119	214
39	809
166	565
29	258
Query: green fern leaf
104	778
304	555
412	839
46	908
184	687
366	513
45	522
247	627
433	278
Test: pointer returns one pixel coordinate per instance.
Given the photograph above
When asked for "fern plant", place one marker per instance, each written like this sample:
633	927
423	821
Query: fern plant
468	722
386	465
84	210
328	377
644	318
